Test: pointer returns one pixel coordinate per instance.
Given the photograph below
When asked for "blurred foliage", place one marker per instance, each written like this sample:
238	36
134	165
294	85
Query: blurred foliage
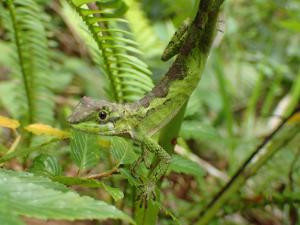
52	54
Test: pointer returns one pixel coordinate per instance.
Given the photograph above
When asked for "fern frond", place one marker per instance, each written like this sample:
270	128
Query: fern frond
31	67
117	53
142	29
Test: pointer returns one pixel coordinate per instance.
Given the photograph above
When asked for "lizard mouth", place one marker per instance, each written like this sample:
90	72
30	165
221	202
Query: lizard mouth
72	120
93	128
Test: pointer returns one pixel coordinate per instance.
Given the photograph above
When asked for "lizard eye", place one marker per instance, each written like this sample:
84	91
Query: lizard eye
102	115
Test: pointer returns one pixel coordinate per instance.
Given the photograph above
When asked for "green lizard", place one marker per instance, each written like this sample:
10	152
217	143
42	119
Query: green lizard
141	119
176	42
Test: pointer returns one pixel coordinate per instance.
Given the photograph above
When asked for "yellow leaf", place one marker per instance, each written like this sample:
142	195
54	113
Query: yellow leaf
295	118
105	143
9	123
43	129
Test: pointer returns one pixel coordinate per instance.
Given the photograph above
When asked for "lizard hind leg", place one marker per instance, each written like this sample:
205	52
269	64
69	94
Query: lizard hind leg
176	42
147	190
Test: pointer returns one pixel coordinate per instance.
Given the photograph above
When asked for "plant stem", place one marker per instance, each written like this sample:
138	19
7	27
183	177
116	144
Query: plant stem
108	173
271	96
225	96
280	137
295	95
15	143
168	135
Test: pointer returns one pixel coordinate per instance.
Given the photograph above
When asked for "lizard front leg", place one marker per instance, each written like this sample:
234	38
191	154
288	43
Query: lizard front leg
147	189
176	42
141	159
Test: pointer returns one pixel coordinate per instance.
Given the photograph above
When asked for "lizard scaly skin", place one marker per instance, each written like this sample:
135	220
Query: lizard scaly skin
141	119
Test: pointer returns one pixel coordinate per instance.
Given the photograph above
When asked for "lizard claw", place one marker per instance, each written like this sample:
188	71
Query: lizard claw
146	192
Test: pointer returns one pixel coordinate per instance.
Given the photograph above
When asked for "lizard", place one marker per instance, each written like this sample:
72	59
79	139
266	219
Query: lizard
141	119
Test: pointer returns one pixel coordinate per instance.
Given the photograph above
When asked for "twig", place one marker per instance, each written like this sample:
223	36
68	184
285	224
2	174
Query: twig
108	173
15	143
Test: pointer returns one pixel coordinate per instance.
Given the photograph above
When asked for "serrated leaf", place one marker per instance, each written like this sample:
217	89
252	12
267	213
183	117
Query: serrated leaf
84	150
122	151
180	164
116	193
20	195
36	180
47	165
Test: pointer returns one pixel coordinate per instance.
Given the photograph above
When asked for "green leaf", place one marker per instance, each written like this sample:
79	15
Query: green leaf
3	149
180	164
122	151
290	24
142	29
111	47
47	165
199	131
115	193
36	180
84	150
9	99
21	152
148	215
127	174
8	218
30	65
38	199
171	215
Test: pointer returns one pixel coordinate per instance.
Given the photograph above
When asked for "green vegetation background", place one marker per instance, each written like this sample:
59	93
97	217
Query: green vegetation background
251	82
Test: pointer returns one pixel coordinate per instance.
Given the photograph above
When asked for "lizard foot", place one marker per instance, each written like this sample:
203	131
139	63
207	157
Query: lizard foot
146	192
133	171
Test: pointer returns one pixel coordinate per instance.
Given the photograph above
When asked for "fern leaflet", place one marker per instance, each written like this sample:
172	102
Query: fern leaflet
26	30
118	53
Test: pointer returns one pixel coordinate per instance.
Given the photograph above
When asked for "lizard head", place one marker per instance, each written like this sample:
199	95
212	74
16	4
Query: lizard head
99	117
